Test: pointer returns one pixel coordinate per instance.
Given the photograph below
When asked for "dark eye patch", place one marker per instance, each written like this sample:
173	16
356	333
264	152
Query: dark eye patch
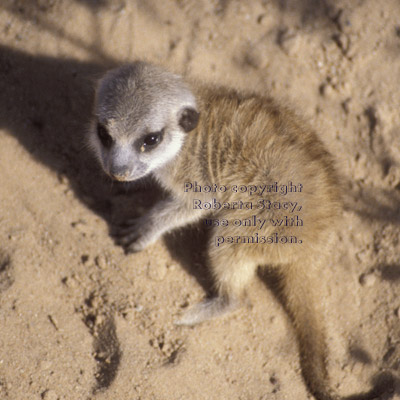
105	138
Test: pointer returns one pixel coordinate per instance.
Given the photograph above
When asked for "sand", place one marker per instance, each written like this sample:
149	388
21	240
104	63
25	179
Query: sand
82	320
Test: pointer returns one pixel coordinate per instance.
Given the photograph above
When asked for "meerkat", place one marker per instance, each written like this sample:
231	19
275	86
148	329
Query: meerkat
257	175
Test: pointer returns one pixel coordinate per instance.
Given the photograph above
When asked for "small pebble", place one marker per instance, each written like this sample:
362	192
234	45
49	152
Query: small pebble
49	395
343	42
368	280
101	261
45	365
157	271
326	90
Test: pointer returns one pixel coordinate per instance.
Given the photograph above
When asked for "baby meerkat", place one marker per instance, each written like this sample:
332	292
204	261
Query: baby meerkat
259	178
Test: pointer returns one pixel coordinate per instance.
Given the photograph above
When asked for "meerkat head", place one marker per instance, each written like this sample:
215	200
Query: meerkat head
142	114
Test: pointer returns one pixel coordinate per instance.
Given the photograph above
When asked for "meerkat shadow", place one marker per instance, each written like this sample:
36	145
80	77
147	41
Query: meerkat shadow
46	104
129	200
384	386
188	246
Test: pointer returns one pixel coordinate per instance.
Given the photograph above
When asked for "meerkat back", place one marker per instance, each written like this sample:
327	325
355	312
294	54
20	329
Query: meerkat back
252	168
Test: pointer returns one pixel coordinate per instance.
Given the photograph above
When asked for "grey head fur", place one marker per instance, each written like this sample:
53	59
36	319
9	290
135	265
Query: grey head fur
142	114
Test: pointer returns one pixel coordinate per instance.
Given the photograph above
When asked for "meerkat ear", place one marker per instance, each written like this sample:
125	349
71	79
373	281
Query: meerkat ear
188	119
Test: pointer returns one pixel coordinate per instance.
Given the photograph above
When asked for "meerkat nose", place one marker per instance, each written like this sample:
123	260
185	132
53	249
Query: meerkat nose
119	173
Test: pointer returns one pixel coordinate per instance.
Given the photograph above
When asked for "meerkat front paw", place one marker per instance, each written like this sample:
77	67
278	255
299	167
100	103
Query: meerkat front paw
133	235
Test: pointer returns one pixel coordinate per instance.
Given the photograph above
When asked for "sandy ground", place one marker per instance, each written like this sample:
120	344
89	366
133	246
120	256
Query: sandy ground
81	320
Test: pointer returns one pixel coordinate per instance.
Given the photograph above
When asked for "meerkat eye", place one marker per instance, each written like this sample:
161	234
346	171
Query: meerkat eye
151	140
104	136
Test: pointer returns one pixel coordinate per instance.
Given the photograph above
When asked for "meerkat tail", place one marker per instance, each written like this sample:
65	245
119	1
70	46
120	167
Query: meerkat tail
298	286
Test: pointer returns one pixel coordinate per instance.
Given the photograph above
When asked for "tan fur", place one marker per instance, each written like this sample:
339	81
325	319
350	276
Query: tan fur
247	140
